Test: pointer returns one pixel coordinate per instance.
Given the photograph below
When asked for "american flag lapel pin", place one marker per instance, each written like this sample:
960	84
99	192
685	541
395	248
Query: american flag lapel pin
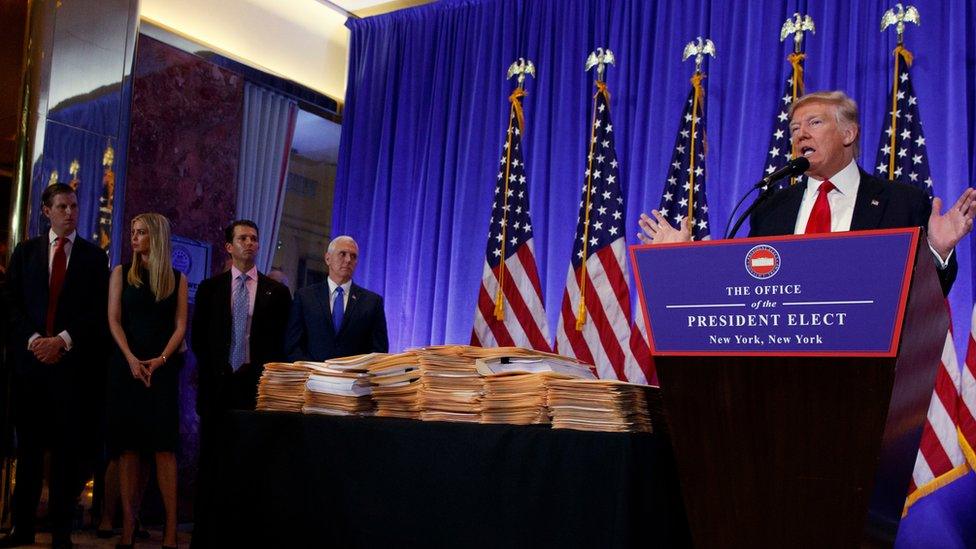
875	203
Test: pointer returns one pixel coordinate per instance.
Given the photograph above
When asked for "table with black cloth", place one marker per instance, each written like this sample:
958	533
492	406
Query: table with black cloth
293	480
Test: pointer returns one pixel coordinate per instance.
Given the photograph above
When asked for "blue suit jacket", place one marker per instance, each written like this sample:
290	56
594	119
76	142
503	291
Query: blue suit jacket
879	205
311	336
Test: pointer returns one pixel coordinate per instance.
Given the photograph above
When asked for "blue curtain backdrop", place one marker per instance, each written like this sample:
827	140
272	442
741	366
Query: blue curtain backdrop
426	108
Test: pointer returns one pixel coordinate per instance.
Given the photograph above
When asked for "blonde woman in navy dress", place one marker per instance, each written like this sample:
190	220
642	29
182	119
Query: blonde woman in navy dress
147	308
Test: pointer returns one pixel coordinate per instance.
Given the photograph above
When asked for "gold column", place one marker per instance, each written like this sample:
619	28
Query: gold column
35	79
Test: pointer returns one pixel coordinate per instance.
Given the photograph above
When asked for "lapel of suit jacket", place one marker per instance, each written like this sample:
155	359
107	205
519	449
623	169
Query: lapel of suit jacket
74	274
75	271
786	224
355	294
41	266
225	315
869	204
261	300
77	262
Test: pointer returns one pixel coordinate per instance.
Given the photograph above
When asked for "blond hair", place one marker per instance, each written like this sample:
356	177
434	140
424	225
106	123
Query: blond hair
845	111
160	263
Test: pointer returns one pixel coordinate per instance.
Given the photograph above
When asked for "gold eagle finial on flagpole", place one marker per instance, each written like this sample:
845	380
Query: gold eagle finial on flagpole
698	48
599	59
797	25
521	68
898	17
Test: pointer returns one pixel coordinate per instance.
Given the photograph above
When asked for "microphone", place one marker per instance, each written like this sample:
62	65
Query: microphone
792	168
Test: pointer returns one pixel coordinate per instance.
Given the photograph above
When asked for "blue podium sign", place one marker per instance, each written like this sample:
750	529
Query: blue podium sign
777	295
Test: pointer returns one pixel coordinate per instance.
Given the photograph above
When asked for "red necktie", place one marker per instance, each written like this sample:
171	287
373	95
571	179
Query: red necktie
819	221
58	266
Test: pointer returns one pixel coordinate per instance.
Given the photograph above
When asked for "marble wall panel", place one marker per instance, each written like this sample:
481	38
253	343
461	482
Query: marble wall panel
184	143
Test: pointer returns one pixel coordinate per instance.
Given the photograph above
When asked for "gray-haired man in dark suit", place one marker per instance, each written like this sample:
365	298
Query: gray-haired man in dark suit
336	318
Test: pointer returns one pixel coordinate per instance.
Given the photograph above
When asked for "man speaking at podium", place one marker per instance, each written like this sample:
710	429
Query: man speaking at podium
838	195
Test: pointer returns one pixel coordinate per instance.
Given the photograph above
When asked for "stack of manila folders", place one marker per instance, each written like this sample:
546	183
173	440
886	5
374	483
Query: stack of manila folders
462	383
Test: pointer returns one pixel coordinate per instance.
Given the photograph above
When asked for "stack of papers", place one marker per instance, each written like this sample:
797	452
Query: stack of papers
516	359
396	390
450	385
462	383
517	398
282	386
339	387
599	405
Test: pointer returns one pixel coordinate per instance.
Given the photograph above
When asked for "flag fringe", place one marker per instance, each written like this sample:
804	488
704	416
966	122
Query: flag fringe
933	485
967	450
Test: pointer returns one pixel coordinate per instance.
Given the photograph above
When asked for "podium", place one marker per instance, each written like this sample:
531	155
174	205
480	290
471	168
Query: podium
796	374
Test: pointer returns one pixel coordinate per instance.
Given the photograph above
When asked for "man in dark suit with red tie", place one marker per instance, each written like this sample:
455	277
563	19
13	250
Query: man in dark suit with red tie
838	196
56	294
336	318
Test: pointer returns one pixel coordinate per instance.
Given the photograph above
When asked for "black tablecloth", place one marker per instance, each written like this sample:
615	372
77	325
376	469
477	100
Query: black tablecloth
288	480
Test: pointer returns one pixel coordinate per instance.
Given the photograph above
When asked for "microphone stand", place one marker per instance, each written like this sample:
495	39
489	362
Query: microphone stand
766	193
793	167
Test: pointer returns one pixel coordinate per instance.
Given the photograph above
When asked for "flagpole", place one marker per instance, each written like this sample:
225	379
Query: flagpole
521	67
796	26
500	294
698	48
796	60
696	83
581	314
599	59
894	121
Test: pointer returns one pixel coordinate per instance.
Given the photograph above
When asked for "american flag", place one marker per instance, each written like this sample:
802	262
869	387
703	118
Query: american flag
780	149
684	190
902	157
598	271
967	399
902	154
940	458
510	309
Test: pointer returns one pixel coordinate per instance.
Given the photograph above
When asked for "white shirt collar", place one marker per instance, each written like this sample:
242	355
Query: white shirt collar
847	180
51	235
235	272
345	287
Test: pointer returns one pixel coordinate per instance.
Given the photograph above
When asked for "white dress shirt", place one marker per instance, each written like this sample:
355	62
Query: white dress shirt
252	291
841	199
345	294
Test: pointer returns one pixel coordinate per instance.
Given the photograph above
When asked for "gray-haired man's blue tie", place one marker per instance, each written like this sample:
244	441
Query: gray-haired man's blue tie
338	308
